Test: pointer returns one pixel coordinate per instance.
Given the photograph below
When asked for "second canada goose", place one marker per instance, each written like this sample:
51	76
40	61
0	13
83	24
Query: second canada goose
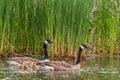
18	61
63	66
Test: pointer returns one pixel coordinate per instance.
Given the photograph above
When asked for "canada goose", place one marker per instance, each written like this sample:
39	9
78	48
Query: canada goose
62	65
18	61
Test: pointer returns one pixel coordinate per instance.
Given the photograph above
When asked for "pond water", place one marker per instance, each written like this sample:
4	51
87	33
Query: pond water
107	68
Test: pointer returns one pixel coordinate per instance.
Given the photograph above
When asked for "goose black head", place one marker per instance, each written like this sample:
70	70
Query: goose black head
83	46
47	41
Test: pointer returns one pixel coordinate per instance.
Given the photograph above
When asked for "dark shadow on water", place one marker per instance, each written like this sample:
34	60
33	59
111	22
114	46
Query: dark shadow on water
60	75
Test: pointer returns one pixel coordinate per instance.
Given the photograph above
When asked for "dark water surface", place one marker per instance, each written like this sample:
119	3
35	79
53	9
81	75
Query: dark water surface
107	68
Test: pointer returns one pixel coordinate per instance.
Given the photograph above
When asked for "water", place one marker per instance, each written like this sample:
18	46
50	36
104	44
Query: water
101	69
107	68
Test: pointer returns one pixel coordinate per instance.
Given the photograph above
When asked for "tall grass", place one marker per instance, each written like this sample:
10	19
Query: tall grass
105	24
25	24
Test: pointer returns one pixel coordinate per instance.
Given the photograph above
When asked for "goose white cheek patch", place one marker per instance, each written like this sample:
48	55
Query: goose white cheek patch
82	47
46	42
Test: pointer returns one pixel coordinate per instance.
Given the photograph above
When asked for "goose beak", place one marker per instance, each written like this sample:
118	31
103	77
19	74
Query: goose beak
51	42
48	41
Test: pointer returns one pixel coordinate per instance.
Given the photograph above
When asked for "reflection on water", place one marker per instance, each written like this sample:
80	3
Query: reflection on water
101	69
92	69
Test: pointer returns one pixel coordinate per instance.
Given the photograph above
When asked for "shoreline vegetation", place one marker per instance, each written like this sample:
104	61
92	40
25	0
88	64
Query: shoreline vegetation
25	24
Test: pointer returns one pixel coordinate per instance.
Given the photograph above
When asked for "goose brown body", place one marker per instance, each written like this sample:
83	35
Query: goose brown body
61	65
58	65
20	60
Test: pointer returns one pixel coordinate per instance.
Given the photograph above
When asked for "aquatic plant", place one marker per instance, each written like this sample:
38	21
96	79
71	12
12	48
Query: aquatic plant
24	24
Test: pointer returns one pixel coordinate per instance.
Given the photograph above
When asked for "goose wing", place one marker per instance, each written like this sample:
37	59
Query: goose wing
58	65
20	60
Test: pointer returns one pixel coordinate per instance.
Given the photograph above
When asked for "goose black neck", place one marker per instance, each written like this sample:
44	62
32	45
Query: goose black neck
79	56
45	51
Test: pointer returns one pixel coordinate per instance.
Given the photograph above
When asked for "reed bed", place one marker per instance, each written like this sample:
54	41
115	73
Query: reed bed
25	24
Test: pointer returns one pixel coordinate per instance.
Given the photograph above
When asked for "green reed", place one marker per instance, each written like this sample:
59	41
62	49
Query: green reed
104	25
25	24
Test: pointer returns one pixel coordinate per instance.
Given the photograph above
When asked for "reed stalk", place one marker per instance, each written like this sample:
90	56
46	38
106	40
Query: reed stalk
25	24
